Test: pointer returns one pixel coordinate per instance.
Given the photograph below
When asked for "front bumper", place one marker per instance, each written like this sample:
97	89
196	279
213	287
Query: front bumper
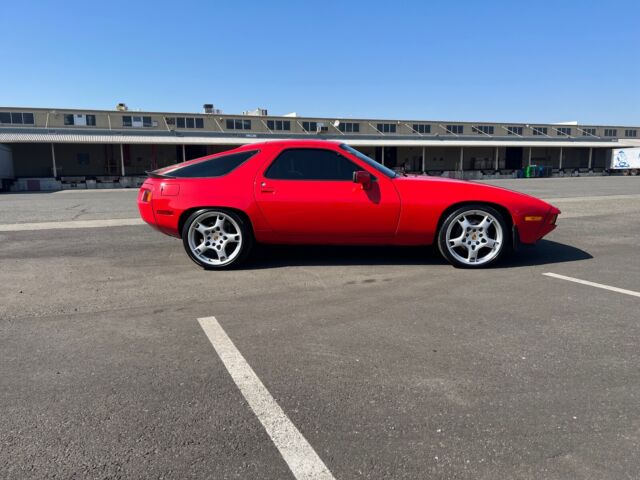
529	229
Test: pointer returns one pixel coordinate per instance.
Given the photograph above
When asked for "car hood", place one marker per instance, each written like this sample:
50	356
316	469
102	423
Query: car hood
470	190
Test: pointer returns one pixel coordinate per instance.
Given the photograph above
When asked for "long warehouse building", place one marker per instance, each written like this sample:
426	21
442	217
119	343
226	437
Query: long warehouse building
48	149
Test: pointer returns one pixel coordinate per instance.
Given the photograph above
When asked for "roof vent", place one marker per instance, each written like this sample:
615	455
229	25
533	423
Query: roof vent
209	109
122	107
258	112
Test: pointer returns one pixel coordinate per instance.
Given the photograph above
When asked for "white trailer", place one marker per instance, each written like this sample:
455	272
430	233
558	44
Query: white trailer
626	160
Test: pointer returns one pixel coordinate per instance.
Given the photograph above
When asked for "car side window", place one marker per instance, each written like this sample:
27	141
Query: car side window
311	164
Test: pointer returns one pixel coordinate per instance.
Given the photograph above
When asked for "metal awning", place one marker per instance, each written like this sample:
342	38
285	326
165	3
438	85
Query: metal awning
44	137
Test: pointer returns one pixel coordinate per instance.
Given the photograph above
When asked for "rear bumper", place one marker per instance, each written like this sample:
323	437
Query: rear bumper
146	207
157	208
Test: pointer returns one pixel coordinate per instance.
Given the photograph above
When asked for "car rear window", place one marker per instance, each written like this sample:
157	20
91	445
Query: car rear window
215	167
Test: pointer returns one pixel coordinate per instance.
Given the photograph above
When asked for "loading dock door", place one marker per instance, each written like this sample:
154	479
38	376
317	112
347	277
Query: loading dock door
513	158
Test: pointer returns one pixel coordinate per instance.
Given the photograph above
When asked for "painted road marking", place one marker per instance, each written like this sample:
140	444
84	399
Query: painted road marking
593	284
133	190
300	456
112	222
632	196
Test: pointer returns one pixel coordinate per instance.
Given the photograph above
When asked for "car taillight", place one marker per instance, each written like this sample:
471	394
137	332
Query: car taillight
146	196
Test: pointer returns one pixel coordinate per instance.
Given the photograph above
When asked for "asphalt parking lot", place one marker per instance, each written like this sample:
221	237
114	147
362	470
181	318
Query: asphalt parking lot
390	363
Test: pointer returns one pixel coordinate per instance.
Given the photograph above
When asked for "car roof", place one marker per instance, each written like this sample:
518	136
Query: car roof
291	142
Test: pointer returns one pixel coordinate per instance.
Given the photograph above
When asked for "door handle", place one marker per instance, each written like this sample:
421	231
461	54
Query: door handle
266	188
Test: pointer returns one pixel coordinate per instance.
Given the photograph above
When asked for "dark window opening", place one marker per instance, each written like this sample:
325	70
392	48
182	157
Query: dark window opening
483	129
422	129
238	124
349	127
17	118
310	126
386	127
279	125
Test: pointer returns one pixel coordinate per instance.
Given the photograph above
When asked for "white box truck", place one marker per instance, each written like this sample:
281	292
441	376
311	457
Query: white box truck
627	160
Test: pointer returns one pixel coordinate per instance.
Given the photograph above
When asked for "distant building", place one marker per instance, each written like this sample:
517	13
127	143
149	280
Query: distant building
72	146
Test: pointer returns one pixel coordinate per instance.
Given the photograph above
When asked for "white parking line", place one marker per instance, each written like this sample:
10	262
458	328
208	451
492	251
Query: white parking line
598	198
593	284
112	222
300	456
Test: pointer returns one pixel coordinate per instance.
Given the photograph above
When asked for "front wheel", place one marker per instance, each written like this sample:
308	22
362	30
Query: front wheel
217	239
473	236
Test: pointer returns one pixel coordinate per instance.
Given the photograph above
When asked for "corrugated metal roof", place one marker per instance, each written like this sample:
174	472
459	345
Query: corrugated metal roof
32	137
126	139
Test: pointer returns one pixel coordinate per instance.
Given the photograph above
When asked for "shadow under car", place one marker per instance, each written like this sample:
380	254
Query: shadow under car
274	256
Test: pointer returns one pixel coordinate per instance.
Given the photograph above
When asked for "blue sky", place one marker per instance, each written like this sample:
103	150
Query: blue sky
534	61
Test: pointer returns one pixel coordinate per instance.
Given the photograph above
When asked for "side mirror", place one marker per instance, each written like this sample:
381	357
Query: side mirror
363	178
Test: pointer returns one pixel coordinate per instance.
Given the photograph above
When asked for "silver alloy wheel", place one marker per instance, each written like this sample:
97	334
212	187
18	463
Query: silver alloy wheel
215	238
474	237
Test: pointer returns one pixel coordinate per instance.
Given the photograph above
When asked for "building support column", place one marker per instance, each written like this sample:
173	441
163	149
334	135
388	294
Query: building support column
424	160
53	161
121	160
560	162
382	155
184	155
496	159
461	162
529	159
154	157
590	158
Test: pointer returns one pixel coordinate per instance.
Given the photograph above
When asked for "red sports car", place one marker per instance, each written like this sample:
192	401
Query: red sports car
322	192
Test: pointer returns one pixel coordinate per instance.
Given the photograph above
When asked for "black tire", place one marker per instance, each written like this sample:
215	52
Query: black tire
206	260
503	248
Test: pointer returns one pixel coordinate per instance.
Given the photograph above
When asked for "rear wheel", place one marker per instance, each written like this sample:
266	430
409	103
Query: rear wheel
473	236
216	238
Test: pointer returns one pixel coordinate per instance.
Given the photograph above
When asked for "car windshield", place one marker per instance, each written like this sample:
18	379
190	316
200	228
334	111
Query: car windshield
369	161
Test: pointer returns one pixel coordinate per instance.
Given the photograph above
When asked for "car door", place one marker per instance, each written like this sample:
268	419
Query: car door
310	192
